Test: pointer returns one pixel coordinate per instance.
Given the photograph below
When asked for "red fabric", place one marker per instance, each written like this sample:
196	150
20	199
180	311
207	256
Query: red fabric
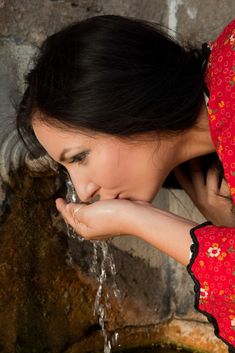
213	262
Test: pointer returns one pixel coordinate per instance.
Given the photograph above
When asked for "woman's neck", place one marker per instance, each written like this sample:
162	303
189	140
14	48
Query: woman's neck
197	141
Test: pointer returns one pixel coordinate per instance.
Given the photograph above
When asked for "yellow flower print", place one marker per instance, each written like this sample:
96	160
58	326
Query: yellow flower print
222	256
221	292
232	298
224	239
201	263
220	148
232	82
221	104
210	111
213	117
205	285
232	190
231	310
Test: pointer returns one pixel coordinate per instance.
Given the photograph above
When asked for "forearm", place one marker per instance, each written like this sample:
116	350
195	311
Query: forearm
166	231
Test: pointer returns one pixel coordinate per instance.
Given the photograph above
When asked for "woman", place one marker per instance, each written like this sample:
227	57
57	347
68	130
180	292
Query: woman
124	109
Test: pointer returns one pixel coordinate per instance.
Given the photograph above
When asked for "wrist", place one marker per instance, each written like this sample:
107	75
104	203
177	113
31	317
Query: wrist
137	218
164	230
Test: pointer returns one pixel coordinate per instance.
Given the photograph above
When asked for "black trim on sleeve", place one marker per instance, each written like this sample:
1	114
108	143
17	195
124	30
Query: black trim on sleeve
210	318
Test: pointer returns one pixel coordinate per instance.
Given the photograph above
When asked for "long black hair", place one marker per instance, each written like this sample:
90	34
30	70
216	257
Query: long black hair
115	75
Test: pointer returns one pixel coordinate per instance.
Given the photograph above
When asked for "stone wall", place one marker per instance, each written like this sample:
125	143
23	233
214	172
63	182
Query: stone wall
155	291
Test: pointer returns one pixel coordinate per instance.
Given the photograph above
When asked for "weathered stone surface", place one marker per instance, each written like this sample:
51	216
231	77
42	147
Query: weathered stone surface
200	21
47	293
182	286
47	301
191	336
14	60
33	20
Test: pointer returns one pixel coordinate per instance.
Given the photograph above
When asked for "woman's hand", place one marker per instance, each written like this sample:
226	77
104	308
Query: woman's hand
108	218
101	219
213	202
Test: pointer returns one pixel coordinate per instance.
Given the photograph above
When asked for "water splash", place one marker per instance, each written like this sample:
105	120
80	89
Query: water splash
100	309
107	266
71	196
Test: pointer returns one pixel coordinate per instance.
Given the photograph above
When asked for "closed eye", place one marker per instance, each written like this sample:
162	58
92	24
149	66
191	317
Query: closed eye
80	157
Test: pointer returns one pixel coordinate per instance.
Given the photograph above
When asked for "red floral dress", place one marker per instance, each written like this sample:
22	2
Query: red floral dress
212	264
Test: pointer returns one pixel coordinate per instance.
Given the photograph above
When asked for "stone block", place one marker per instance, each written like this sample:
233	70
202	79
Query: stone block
200	21
33	21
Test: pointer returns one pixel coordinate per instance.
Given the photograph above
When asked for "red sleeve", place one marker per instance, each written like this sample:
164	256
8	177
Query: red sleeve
212	264
212	268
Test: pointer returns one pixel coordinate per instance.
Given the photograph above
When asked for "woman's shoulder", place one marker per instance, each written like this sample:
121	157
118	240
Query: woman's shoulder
222	53
220	80
220	70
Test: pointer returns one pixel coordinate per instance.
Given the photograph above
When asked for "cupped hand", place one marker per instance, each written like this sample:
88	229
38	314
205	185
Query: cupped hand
213	200
99	220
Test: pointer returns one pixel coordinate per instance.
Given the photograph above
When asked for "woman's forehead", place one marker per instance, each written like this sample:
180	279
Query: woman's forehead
50	131
55	138
53	128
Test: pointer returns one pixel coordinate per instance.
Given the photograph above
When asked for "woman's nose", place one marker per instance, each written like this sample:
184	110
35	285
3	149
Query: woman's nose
84	190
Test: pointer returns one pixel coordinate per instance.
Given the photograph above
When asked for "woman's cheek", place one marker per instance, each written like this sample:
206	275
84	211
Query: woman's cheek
108	175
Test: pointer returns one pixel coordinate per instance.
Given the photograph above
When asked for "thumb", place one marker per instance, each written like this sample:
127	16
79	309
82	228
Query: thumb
60	204
224	189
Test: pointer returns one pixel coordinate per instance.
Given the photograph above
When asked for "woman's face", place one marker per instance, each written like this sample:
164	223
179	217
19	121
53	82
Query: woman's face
104	165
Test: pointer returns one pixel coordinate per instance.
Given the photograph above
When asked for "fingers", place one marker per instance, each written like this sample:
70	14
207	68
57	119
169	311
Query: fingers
70	213
213	184
197	174
184	181
195	187
224	189
212	181
60	204
68	209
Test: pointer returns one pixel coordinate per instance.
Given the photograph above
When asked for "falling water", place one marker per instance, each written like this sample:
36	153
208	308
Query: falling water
71	196
107	266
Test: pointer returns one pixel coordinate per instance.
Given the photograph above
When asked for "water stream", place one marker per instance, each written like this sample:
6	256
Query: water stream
102	267
107	266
